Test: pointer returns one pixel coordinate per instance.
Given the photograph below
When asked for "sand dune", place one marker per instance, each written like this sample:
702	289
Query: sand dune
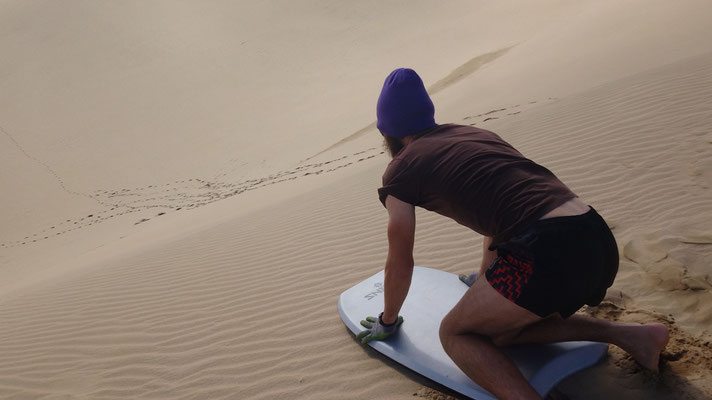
246	307
153	262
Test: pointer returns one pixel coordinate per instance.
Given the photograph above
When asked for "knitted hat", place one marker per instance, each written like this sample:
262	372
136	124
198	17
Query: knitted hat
404	106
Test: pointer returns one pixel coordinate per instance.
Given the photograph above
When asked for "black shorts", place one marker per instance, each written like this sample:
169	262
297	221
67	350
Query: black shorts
557	265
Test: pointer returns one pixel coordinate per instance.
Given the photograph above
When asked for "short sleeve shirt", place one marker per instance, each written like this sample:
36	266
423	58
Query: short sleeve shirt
474	177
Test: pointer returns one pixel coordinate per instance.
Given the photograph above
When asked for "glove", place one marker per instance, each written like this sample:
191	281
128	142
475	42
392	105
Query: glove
468	279
377	330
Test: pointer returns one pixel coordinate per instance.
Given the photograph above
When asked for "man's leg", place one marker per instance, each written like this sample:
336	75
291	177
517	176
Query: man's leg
466	334
483	320
643	342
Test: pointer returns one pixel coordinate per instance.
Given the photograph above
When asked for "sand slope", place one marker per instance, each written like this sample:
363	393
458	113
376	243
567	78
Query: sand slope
163	237
246	308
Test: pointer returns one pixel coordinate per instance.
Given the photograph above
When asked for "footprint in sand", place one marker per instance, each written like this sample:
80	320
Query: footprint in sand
643	251
696	237
663	271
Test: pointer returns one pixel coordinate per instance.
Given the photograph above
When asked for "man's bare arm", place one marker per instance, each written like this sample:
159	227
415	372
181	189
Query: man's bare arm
399	263
488	255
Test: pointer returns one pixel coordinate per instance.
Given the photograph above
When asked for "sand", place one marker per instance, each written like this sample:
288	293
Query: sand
188	187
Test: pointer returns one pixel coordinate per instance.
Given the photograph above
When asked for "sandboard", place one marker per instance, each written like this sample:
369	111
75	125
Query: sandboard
417	345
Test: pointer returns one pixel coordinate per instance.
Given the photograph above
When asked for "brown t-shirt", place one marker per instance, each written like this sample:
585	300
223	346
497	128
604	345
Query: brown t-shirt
474	177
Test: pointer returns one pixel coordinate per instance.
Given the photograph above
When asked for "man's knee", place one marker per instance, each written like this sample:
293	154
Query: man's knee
446	331
504	338
449	329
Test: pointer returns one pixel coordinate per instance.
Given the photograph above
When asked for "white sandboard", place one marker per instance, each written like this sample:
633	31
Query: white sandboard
417	345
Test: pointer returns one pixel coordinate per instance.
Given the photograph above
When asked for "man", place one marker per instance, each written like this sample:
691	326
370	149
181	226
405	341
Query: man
546	253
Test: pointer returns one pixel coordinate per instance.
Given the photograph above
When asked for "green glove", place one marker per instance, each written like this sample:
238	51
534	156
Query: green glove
468	279
377	330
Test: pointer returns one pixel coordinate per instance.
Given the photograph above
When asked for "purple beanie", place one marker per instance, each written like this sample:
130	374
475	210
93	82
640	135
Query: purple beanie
404	106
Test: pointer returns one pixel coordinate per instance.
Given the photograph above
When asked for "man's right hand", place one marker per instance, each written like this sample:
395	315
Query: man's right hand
377	330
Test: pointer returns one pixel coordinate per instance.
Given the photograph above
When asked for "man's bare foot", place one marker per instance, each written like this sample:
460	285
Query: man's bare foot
645	343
